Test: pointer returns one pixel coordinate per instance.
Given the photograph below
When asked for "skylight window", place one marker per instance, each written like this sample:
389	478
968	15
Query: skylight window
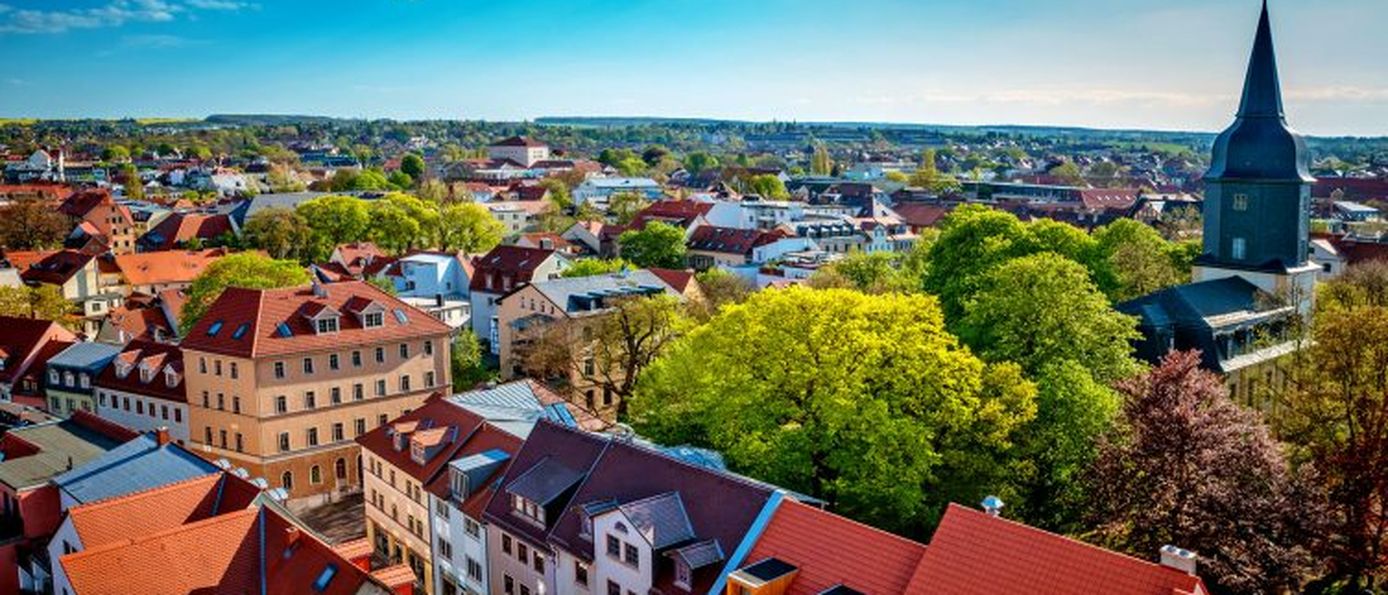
325	577
214	329
282	330
401	317
241	330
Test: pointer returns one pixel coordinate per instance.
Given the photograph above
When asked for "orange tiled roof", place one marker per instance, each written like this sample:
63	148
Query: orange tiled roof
829	550
973	553
159	509
174	266
264	311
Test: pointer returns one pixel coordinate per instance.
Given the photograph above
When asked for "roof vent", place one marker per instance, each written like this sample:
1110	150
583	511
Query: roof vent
1182	560
992	505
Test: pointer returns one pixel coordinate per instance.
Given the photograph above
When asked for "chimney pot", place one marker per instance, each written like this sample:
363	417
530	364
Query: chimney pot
291	536
161	435
1182	560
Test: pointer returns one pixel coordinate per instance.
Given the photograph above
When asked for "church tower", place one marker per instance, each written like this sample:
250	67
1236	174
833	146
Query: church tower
1258	191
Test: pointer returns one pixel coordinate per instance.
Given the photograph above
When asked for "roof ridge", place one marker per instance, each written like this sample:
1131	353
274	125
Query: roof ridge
129	541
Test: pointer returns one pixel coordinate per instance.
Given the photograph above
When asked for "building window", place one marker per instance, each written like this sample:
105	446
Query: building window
1239	249
356	359
360	426
472	528
235	406
428	348
338	432
234	372
613	588
315	475
287	481
308	365
216	367
1240	202
312	436
358	393
508	585
474	569
327	325
178	415
284	441
380	355
445	548
505	544
429	379
310	400
333	362
404	351
207	435
522	553
632	556
206	404
202	365
382	419
221	402
240	443
281	404
335	395
539	563
372	319
381	388
222	435
279	369
404	383
614	547
580	573
340	468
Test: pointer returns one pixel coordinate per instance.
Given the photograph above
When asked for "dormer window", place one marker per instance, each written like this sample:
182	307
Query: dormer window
458	484
326	325
372	319
122	369
527	508
682	574
53	377
170	377
146	373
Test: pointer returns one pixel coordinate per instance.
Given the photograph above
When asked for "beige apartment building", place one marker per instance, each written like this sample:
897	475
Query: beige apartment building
282	381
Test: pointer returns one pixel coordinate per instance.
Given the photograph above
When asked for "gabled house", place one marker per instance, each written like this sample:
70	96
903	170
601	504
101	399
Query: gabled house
501	271
180	230
23	357
725	247
99	218
143	389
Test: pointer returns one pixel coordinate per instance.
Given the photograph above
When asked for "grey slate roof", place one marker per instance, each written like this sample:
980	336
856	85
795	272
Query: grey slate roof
61	444
513	407
700	553
545	481
86	356
661	519
138	465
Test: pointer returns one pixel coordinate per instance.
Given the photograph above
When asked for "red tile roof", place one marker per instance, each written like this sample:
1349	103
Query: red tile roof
25	337
679	280
829	550
57	267
516	263
728	240
174	266
1109	198
227	554
179	228
151	511
921	214
263	311
974	553
157	355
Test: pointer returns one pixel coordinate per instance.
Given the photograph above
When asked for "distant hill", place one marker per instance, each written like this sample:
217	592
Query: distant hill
267	119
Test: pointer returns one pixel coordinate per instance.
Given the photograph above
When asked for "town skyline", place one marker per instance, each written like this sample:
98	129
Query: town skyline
1063	65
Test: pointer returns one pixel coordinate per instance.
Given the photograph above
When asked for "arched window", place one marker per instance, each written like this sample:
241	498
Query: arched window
340	469
287	481
315	475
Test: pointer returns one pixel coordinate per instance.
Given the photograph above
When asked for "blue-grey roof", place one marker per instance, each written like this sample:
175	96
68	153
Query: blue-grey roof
579	294
661	519
86	356
137	465
545	481
623	182
513	406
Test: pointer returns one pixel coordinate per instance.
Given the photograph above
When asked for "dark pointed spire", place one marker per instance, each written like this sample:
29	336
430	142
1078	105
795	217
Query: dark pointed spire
1262	93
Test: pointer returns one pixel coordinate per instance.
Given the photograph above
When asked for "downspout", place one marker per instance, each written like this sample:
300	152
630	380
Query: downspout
260	522
750	539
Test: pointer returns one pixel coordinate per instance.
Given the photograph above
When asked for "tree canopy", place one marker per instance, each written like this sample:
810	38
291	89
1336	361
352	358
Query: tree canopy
658	244
246	269
865	401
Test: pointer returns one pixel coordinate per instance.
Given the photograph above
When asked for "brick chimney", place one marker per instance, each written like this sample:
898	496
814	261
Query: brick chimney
291	536
161	435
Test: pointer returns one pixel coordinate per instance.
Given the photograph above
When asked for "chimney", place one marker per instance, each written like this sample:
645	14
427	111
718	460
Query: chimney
1182	560
291	536
992	505
161	435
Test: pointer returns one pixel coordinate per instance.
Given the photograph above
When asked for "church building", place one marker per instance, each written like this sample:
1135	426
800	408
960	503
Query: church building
1254	278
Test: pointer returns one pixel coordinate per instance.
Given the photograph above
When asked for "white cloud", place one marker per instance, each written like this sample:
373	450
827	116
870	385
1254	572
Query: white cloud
112	14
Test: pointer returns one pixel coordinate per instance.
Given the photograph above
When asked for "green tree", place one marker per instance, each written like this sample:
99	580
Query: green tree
559	194
820	162
1134	260
335	220
928	176
280	232
115	154
623	206
400	222
871	272
591	267
973	239
45	302
469	367
1067	173
129	178
282	178
246	269
468	227
657	245
699	162
768	186
864	401
413	166
720	288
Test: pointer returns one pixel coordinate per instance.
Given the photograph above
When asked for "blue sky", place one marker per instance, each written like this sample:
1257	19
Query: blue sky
1164	64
